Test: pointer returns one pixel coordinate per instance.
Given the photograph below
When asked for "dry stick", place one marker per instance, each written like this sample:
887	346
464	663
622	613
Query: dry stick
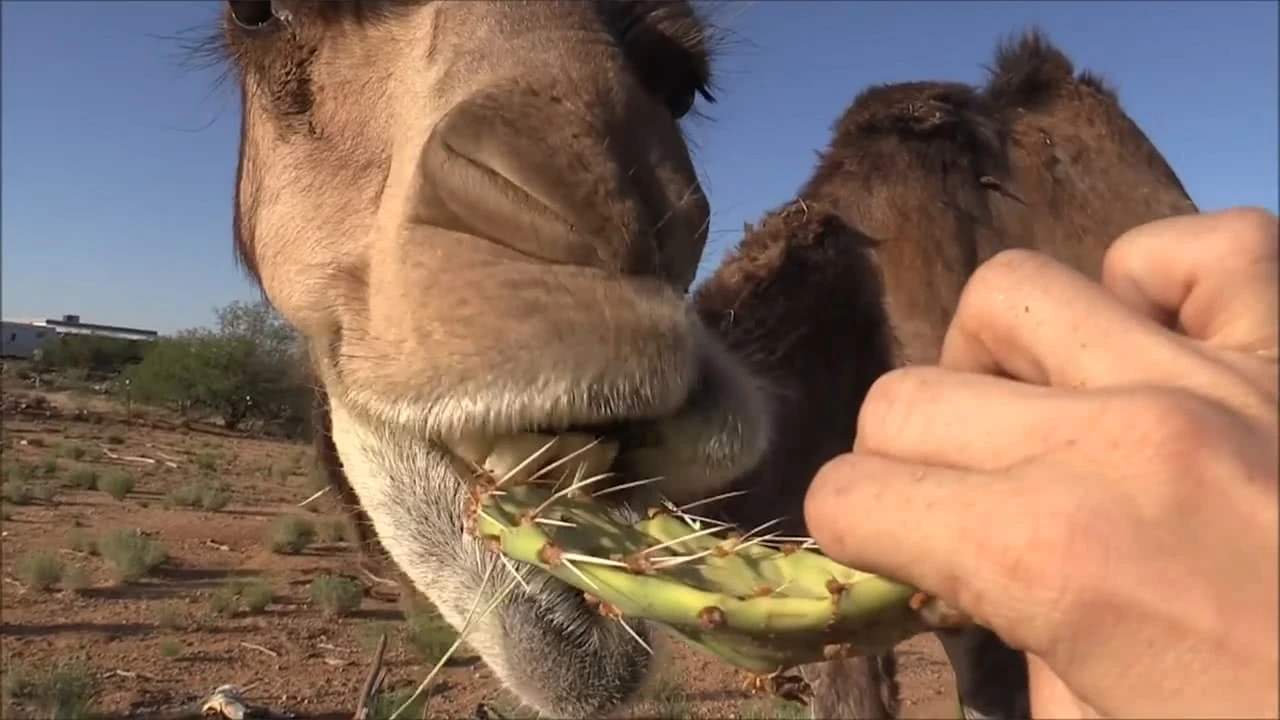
317	494
367	690
268	651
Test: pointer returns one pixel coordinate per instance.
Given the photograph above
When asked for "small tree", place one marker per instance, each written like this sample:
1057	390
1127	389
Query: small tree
247	367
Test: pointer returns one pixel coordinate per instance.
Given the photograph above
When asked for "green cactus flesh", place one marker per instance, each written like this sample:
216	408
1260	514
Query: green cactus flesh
761	603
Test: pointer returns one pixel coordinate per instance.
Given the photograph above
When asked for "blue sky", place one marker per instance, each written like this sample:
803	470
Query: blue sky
118	162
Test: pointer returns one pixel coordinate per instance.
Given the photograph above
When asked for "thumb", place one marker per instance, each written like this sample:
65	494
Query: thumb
974	539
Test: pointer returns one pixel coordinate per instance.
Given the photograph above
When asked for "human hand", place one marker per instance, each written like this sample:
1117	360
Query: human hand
1091	472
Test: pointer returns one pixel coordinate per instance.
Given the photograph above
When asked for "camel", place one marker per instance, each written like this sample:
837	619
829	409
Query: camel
483	218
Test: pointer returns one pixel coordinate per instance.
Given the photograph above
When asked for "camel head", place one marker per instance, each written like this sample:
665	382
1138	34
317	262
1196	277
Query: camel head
484	219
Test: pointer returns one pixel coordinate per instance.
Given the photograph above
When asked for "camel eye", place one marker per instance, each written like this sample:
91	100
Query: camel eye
251	14
681	102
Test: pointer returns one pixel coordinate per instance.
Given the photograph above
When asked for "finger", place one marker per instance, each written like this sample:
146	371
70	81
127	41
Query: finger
975	539
1026	316
964	420
1213	276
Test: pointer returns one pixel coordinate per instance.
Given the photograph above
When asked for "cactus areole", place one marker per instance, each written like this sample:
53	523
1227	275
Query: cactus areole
762	602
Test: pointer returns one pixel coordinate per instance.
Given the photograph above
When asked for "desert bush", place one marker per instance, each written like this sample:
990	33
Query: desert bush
81	542
115	439
224	601
169	617
317	478
367	635
170	648
6	512
76	578
202	494
83	478
215	497
291	534
132	554
336	595
207	461
257	595
20	471
17	492
63	693
117	484
44	491
49	466
429	634
335	530
388	701
73	451
40	570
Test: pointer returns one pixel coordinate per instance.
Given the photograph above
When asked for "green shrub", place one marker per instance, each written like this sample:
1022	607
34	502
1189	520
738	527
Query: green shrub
117	484
20	471
76	578
73	451
257	595
83	478
81	542
40	570
335	530
49	467
336	595
132	554
215	497
317	477
224	601
64	693
207	461
202	494
170	617
170	648
291	534
387	702
186	495
17	492
44	491
429	635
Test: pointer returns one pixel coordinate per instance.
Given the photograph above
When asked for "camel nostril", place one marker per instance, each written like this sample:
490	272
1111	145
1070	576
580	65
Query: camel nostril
486	172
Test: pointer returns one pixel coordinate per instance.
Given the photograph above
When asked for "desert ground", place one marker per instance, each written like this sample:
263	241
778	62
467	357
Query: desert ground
147	562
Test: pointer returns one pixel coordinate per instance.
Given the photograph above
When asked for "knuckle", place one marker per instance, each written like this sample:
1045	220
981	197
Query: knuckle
885	407
1253	228
991	282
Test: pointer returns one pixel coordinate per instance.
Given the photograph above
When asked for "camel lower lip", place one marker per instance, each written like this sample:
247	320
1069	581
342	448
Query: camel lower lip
520	457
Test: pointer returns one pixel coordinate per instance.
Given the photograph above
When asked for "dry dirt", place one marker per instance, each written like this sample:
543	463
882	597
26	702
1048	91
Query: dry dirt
290	658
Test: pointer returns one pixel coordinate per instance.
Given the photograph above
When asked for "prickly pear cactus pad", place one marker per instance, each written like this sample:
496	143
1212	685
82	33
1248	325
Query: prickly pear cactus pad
762	602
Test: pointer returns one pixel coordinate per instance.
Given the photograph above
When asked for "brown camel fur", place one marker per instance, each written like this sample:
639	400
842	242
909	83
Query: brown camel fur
921	183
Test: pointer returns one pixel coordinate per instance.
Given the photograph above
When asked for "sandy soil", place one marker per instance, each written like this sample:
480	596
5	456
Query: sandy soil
290	658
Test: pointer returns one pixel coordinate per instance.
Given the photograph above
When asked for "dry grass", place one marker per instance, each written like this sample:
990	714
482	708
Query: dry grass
132	555
336	595
291	534
40	570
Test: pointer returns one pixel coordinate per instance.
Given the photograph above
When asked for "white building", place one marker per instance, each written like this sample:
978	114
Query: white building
22	338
